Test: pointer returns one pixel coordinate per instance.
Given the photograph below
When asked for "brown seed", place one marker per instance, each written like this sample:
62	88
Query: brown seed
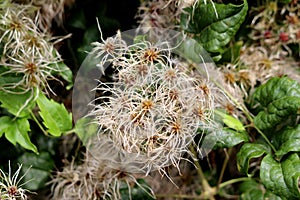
229	77
147	105
30	68
205	89
109	47
229	108
32	41
200	113
175	128
15	25
150	55
173	94
244	76
170	75
12	191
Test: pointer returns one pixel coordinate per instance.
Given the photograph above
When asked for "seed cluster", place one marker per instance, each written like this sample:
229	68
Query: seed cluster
27	52
10	186
28	57
274	29
157	104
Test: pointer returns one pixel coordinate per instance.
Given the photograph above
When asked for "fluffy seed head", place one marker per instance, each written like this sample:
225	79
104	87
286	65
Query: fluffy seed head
156	106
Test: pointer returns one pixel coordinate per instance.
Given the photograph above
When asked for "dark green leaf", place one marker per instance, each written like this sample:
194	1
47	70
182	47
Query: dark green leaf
40	169
247	152
291	173
55	116
270	195
276	112
252	190
281	178
287	140
84	129
17	132
90	35
229	138
289	133
276	88
214	31
276	100
18	104
289	146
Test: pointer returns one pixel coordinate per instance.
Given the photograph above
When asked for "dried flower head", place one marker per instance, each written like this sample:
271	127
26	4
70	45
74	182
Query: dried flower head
100	176
10	185
108	50
155	105
155	15
28	59
275	26
48	11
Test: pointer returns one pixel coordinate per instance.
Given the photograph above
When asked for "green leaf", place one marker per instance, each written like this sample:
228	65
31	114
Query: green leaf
66	73
287	140
277	111
55	116
84	129
8	79
230	121
229	138
247	152
275	88
289	146
214	31
231	135
17	132
289	133
270	195
276	100
40	169
4	124
281	178
18	104
90	35
253	190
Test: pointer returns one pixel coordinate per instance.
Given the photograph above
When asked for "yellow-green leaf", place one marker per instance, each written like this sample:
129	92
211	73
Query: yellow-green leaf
55	116
17	132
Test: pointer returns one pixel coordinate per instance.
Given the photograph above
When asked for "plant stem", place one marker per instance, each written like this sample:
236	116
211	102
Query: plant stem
38	123
224	166
203	195
234	181
248	115
180	196
208	191
69	132
265	137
